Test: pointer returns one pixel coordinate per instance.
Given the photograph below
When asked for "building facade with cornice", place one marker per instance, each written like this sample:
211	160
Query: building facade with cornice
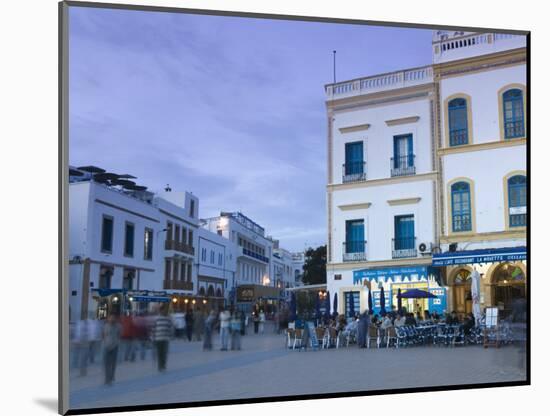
425	163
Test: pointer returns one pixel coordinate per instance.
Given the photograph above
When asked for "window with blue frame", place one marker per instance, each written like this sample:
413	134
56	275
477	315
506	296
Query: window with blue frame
354	158
461	207
512	101
352	303
403	156
517	201
458	122
404	232
355	236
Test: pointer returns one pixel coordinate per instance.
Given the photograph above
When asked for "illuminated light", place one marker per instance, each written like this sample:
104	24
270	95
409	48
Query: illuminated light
174	300
186	300
193	301
131	299
115	299
505	281
204	301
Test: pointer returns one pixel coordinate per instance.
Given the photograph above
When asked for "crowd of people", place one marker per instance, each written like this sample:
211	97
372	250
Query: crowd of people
129	337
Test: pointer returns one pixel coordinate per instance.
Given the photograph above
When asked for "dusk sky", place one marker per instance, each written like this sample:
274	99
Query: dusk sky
230	109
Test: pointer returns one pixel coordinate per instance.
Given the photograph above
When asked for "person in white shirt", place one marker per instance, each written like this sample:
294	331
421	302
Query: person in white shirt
399	321
225	317
262	322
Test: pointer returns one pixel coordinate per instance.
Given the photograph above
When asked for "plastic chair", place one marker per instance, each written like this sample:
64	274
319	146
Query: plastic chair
391	334
373	334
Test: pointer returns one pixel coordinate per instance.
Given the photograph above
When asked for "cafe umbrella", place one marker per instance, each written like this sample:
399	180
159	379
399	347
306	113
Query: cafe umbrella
399	301
292	316
370	302
382	301
327	305
335	305
416	294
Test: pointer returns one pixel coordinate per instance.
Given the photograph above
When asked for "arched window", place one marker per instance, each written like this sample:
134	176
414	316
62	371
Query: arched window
517	201
513	113
461	207
219	293
201	291
458	122
210	291
463	277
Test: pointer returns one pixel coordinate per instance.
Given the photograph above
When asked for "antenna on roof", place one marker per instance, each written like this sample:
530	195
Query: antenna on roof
168	189
334	66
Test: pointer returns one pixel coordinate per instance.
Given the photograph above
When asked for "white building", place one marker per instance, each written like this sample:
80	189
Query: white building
298	261
217	266
178	213
283	270
392	168
128	248
112	245
482	151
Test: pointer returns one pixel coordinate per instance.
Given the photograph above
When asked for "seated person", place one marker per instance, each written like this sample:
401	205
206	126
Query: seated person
409	320
452	319
399	320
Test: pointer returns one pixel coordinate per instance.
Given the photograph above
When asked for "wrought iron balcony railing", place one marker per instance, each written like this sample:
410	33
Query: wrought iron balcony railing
458	137
514	129
404	247
462	223
354	251
354	172
179	246
403	165
257	256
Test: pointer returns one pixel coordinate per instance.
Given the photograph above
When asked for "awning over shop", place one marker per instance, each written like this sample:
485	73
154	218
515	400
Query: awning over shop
108	292
480	256
150	299
396	274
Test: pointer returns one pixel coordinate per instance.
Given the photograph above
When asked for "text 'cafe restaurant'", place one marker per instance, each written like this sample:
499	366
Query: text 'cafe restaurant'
503	274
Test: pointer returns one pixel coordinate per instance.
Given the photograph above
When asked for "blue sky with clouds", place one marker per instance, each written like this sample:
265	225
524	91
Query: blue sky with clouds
229	108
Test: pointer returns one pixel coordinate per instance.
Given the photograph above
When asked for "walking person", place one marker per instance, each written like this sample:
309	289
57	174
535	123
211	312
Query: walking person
82	344
128	337
256	320
111	340
94	331
225	318
189	321
235	325
198	327
262	322
161	334
362	328
209	324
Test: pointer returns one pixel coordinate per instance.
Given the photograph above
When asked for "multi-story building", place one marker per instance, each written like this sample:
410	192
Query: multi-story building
402	145
254	283
217	266
283	271
298	261
482	149
128	248
178	213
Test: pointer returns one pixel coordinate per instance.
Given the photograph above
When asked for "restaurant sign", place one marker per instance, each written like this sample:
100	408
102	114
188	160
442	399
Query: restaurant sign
480	256
245	294
395	274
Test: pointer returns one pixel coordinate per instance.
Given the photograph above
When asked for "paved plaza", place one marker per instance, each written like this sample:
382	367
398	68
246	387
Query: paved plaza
266	368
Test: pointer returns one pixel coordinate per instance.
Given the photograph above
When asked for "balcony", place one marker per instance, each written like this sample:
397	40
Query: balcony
250	253
514	129
403	247
403	165
458	137
177	285
179	246
354	251
353	172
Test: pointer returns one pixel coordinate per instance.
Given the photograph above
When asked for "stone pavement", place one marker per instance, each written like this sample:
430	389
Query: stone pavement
266	368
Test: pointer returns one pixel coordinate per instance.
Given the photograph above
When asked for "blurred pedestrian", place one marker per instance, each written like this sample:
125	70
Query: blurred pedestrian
95	331
262	322
178	320
225	317
244	321
235	325
128	337
189	321
82	345
362	327
209	324
142	334
256	320
198	326
161	334
111	340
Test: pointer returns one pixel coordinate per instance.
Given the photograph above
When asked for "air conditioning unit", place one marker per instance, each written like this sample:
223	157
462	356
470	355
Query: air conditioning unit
425	248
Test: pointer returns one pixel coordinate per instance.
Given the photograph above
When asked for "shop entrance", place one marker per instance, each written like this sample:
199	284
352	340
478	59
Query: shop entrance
509	289
462	292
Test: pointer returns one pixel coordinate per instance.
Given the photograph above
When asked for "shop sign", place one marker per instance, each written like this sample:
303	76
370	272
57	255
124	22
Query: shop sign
393	272
245	294
480	256
518	210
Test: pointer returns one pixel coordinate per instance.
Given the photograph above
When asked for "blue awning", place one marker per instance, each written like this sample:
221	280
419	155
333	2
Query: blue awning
395	273
108	292
480	256
150	299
